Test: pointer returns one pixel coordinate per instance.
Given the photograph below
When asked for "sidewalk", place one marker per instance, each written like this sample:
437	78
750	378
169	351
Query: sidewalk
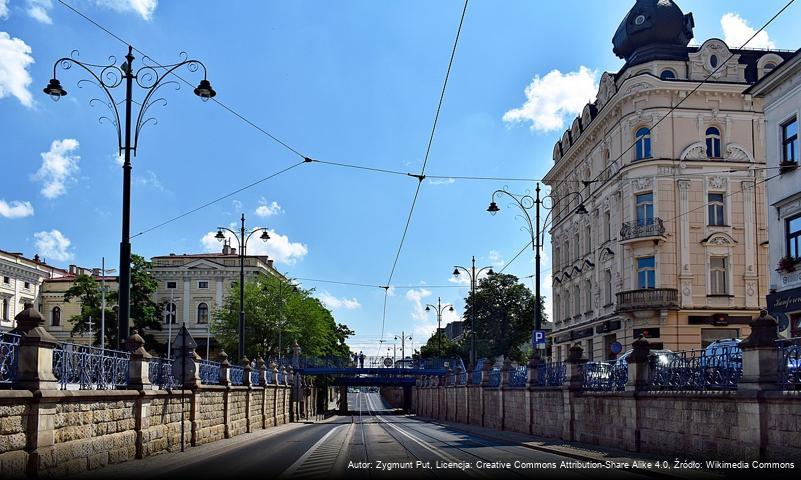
582	452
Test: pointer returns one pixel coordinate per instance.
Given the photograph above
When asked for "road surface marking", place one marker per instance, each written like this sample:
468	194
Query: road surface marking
314	463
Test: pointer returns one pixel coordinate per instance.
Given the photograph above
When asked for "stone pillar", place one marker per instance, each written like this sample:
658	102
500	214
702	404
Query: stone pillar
760	360
262	371
571	389
485	374
506	372
274	367
536	369
283	375
246	380
185	368
638	366
35	361
225	369
296	355
139	366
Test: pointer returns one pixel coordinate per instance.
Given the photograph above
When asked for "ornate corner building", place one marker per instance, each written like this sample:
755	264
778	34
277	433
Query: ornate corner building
670	163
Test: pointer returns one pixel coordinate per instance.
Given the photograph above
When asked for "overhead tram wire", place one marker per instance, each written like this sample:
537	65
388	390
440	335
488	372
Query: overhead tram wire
421	177
695	89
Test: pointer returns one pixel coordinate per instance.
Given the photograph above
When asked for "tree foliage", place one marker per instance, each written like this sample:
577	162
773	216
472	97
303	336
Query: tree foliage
504	312
449	348
274	309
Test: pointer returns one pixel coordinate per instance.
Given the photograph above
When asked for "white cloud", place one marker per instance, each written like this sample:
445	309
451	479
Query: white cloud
119	159
15	209
59	166
551	98
14	61
267	209
441	181
416	296
3	9
237	205
496	258
391	291
736	32
39	10
53	245
337	303
149	179
461	279
144	8
278	248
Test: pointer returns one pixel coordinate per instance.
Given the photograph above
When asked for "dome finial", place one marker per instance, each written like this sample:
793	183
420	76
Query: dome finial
653	30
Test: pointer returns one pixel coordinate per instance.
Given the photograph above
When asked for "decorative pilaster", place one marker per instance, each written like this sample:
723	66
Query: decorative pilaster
139	365
685	273
750	277
35	362
225	369
247	380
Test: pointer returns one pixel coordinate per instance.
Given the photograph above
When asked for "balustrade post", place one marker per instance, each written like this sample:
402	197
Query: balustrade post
638	366
760	355
283	375
460	371
536	369
225	369
485	373
262	371
575	368
35	354
246	379
506	372
185	367
139	365
274	367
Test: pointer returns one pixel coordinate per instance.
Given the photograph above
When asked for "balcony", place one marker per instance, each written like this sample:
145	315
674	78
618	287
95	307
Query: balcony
649	229
648	299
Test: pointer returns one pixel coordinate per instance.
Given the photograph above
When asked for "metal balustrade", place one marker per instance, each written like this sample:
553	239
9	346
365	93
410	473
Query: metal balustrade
88	367
476	374
650	227
9	355
719	369
237	375
518	376
789	351
495	377
551	374
255	377
209	372
608	377
461	378
159	372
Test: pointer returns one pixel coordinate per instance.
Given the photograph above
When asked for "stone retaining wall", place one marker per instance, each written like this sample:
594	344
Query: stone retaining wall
56	433
719	425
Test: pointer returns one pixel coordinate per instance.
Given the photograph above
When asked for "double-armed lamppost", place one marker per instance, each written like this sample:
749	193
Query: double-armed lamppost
525	203
440	308
242	242
473	275
107	77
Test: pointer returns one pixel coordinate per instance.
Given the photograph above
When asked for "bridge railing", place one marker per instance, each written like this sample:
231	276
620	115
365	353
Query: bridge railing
209	372
86	367
9	355
159	372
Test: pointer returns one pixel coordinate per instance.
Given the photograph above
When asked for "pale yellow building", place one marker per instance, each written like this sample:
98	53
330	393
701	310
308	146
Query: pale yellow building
671	173
20	283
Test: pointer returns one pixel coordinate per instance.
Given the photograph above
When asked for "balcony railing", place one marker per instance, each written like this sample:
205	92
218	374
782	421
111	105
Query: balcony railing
650	227
648	298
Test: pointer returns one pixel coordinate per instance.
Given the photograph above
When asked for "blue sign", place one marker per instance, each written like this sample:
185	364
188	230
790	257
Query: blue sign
537	337
616	347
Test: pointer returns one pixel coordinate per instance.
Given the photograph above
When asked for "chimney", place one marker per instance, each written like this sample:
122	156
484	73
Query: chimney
226	249
233	250
36	258
73	269
270	263
96	272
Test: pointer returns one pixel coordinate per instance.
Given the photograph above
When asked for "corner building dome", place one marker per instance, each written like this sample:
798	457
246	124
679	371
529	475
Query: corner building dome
653	30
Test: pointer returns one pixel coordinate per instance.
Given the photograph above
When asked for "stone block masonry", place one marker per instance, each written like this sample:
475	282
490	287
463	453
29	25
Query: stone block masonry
55	433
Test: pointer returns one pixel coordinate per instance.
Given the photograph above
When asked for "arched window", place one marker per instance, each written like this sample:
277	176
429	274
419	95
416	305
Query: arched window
202	313
769	66
55	317
712	142
713	61
557	307
667	74
5	309
642	146
169	313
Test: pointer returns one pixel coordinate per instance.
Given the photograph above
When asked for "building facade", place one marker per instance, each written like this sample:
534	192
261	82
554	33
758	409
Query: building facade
781	94
192	286
20	283
669	164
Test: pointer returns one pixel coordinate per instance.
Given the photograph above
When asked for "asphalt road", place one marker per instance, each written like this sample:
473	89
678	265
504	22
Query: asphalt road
373	442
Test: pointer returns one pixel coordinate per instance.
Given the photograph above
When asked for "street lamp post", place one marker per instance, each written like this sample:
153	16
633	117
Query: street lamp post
403	337
473	275
108	77
242	242
525	203
439	308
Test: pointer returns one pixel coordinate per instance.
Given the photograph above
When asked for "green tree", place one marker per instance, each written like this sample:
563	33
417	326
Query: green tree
87	291
504	311
450	348
145	313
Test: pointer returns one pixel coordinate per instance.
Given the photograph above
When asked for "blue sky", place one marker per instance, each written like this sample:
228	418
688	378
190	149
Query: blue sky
353	82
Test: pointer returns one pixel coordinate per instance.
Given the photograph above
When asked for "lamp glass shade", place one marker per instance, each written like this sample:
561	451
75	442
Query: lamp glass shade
456	272
220	237
265	236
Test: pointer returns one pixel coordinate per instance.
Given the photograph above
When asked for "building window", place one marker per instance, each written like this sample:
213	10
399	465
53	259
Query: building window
6	280
556	258
202	313
588	297
717	276
608	292
577	299
712	142
567	252
202	284
55	317
26	285
557	308
642	145
716	209
645	209
590	353
795	324
5	309
578	245
567	304
713	60
794	237
768	67
608	341
709	335
169	313
646	272
607	226
588	239
667	74
790	141
171	285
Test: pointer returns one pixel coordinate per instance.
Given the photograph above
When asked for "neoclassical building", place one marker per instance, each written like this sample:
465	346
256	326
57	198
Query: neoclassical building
20	283
671	173
192	286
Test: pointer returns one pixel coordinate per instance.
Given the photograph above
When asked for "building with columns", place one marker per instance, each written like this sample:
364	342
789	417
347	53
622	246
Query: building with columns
671	171
781	94
20	283
192	286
